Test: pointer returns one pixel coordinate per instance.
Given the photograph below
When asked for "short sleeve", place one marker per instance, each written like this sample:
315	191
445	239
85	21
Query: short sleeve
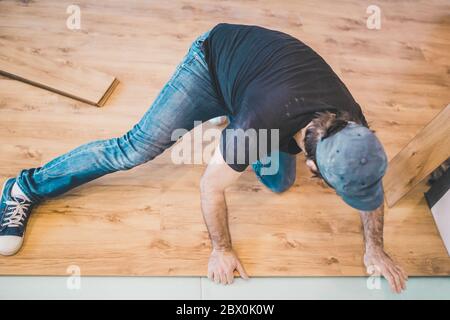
235	153
291	147
244	141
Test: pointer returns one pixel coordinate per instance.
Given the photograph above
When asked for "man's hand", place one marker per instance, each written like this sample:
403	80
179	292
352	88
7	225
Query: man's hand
222	264
375	256
377	261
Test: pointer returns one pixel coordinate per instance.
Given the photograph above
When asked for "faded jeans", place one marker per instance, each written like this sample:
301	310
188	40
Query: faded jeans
188	96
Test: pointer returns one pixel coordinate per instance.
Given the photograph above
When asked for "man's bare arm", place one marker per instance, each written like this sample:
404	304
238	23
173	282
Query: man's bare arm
373	222
223	261
375	256
217	177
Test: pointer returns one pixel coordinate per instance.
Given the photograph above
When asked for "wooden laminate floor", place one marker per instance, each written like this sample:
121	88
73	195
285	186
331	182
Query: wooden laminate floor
147	221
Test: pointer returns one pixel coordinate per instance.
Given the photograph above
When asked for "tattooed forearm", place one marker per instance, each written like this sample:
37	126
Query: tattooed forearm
372	222
215	214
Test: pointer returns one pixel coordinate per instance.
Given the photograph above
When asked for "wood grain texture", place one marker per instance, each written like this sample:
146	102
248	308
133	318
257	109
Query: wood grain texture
63	77
424	153
147	221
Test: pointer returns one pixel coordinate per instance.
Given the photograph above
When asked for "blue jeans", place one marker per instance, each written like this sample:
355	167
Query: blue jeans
188	96
285	176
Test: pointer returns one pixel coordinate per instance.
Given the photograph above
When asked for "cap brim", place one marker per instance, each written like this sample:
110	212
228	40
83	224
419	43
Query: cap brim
373	198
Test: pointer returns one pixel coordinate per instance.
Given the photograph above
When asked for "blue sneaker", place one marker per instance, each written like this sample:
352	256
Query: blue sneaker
14	214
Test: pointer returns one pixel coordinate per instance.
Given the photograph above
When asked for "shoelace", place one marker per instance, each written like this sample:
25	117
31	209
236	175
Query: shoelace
16	214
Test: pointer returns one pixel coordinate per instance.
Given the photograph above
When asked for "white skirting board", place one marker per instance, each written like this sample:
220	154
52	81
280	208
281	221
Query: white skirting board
441	214
438	198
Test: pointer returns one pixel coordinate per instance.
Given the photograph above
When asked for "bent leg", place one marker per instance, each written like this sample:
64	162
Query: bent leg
187	97
285	176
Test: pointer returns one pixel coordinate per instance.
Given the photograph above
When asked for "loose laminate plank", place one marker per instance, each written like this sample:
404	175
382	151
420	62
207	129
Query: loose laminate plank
63	77
424	153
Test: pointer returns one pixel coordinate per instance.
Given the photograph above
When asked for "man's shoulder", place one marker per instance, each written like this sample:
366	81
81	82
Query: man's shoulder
243	29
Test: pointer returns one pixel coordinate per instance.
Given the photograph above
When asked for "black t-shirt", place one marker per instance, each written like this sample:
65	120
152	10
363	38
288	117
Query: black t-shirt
270	80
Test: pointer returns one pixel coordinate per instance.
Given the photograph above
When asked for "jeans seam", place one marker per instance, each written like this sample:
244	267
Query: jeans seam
72	155
32	197
200	59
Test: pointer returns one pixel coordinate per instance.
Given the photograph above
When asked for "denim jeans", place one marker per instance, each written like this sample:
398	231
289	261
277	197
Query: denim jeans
188	96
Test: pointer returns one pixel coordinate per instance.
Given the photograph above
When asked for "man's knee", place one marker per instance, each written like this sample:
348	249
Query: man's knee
133	159
282	180
281	185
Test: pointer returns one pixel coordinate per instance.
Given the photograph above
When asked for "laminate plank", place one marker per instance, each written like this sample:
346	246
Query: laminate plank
424	153
62	77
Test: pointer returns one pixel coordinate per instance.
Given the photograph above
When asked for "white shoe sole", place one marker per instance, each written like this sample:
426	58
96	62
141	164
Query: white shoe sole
18	245
13	244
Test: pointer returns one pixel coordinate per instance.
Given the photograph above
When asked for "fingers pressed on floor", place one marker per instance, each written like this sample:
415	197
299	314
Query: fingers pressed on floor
402	279
216	277
398	280
241	271
390	279
223	278
405	276
230	277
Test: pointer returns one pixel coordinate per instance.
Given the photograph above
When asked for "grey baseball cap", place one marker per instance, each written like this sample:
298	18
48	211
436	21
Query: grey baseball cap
353	162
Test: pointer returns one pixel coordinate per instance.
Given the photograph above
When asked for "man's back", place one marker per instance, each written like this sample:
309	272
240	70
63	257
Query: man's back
270	80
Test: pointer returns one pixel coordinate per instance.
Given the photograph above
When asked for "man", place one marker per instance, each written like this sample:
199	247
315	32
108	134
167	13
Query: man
260	79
